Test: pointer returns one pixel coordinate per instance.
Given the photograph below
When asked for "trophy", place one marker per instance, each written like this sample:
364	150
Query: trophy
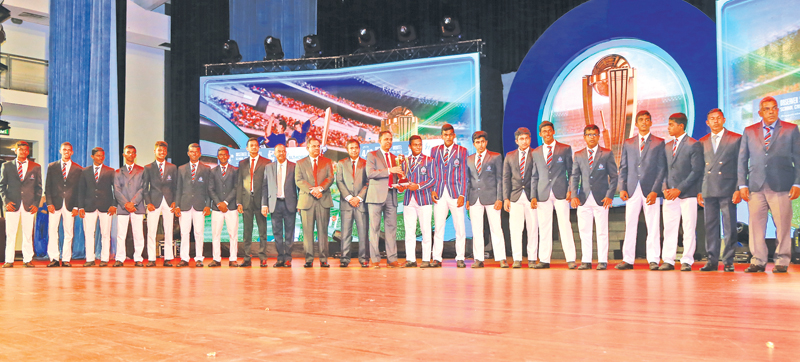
401	122
403	162
612	77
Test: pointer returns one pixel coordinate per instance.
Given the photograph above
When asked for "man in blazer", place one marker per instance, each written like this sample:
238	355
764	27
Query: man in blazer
383	173
642	167
719	192
681	186
449	194
222	190
21	190
279	197
129	192
485	196
516	199
418	203
351	179
194	180
314	177
552	163
592	186
769	179
248	196
61	193
96	202
160	182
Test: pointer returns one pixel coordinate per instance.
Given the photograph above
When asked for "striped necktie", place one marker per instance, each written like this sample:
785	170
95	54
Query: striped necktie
674	147
64	170
19	170
446	155
641	145
224	168
130	169
522	165
591	157
479	163
161	169
767	136
549	155
194	170
96	173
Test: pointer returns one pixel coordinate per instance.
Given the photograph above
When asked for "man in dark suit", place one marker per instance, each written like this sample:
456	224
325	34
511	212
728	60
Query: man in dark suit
383	173
129	192
642	168
160	181
516	199
96	201
592	186
769	179
351	178
719	192
418	203
61	193
194	179
485	196
314	177
552	163
449	194
21	190
279	196
681	185
248	196
222	191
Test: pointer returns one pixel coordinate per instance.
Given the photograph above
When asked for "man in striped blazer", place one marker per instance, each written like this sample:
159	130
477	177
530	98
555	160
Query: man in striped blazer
417	203
449	193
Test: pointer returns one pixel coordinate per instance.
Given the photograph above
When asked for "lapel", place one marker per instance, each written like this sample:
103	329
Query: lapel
646	146
721	147
775	132
348	171
677	151
596	158
760	134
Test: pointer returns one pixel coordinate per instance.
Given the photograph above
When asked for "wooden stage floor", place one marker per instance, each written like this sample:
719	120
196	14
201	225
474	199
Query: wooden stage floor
354	314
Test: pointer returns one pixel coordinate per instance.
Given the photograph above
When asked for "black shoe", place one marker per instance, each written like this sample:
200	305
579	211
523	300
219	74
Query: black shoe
182	264
66	264
623	266
585	266
666	266
365	264
571	265
246	264
686	267
780	269
278	264
754	268
308	264
54	263
436	264
411	264
461	264
138	264
88	264
167	264
233	264
477	264
118	264
654	266
709	267
103	264
541	265
198	264
151	263
602	266
425	264
324	265
729	268
214	264
344	264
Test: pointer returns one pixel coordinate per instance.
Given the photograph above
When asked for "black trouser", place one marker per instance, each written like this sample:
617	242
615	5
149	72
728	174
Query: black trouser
283	229
254	209
713	207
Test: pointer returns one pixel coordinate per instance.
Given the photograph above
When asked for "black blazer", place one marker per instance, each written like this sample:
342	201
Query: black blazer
685	170
600	180
243	184
58	191
96	196
27	192
157	187
194	194
223	188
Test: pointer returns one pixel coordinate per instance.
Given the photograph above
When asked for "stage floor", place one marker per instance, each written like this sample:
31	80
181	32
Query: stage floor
297	314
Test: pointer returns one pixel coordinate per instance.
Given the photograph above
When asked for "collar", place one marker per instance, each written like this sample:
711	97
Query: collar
21	163
521	151
646	137
68	163
194	163
772	127
353	160
552	144
253	158
96	166
483	154
283	163
449	149
721	133
224	166
314	159
594	150
130	166
680	138
161	163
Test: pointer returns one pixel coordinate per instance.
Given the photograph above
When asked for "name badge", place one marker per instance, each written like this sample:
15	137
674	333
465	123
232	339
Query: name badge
488	168
169	178
560	160
456	163
200	179
600	167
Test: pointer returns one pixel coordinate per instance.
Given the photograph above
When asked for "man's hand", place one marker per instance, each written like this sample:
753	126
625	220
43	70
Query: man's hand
413	186
223	207
51	209
467	205
112	210
744	192
671	194
607	202
264	210
498	205
240	209
435	197
737	197
794	192
569	193
10	207
172	208
206	211
623	195
651	198
460	201
575	202
82	213
177	211
354	201
75	212
534	203
316	193
700	200
130	206
33	209
400	188
151	208
507	205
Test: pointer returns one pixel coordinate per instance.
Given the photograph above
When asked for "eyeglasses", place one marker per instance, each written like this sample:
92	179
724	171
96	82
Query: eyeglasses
591	135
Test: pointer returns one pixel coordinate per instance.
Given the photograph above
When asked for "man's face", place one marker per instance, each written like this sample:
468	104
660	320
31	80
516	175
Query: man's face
448	136
353	150
386	142
161	153
23	152
223	157
313	148
98	158
280	153
592	138
675	129
279	128
715	121
523	141
252	148
480	144
643	123
547	133
291	143
769	112
194	154
416	147
129	155
66	152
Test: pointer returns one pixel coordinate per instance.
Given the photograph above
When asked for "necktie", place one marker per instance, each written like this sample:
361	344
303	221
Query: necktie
522	166
64	170
674	147
714	140
194	170
280	180
389	164
446	155
96	173
19	170
354	171
252	166
767	136
478	166
224	168
549	155
591	158
161	169
315	173
641	145
130	169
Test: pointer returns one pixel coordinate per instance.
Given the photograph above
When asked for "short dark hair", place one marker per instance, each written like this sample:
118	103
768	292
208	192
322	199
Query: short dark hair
521	131
591	127
251	139
161	144
479	134
223	148
280	145
715	110
21	143
66	144
765	100
679	118
353	140
447	127
382	133
546	124
125	148
193	145
414	137
642	113
97	149
291	139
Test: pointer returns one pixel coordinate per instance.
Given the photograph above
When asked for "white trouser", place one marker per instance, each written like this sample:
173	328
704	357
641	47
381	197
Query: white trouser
447	203
674	211
188	219
152	228
13	219
652	214
136	221
520	216
231	220
476	220
587	212
544	211
90	227
52	239
411	214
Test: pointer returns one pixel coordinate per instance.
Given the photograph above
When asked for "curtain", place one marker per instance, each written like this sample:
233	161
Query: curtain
289	20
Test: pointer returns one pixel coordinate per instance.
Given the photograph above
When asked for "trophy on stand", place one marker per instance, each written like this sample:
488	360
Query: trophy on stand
614	78
403	162
402	123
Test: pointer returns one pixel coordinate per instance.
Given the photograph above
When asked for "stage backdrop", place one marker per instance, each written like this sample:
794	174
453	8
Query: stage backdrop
414	97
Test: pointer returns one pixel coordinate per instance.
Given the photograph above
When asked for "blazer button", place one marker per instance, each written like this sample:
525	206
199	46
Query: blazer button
706	163
720	163
720	173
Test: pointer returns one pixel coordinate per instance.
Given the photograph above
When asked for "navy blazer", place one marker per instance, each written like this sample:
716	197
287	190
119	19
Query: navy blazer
57	190
685	170
779	167
600	179
25	193
156	187
648	169
96	195
554	177
223	188
719	179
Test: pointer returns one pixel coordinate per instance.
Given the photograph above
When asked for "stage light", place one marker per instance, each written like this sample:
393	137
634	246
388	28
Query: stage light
230	52
311	46
406	36
273	48
366	41
2	34
5	14
450	29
